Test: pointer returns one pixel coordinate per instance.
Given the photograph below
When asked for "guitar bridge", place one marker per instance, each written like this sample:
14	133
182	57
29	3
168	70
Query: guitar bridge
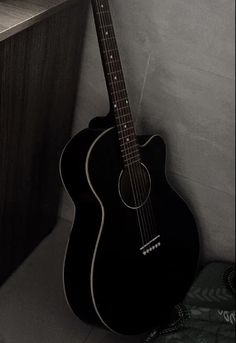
151	245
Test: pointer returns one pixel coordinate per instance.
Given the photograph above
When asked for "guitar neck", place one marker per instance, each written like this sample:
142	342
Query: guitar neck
115	82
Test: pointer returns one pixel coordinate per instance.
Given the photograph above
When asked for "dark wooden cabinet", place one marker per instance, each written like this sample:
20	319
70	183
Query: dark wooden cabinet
38	80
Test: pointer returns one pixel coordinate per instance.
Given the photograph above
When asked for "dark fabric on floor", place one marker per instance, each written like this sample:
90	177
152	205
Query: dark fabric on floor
210	308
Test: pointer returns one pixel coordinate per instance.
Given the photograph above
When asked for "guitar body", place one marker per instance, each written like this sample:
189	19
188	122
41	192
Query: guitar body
108	278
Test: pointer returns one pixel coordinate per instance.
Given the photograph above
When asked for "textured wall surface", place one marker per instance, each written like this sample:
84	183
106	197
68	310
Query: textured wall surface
178	59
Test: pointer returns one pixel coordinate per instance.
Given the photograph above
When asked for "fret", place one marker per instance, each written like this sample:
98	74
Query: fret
121	108
105	26
127	147
119	91
134	151
119	105
102	4
123	135
124	115
117	95
115	81
125	123
102	12
116	104
110	50
131	161
104	17
127	136
135	158
113	62
128	156
126	143
122	121
104	20
126	133
113	57
107	31
108	38
125	100
123	129
130	164
116	77
116	74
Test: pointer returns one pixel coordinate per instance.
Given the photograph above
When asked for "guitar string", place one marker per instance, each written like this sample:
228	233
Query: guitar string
133	171
148	204
132	165
100	19
140	218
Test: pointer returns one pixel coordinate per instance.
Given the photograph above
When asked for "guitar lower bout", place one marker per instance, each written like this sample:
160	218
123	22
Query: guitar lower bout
126	253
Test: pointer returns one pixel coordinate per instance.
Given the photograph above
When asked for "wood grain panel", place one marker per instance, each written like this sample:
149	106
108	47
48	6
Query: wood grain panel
38	73
18	15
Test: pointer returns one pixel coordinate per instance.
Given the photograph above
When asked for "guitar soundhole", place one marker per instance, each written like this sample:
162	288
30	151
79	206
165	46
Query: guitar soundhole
134	185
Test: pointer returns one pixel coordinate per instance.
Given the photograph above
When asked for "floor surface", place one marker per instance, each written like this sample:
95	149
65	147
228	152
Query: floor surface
33	308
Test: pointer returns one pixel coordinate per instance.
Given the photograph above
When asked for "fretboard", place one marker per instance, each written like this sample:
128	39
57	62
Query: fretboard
115	82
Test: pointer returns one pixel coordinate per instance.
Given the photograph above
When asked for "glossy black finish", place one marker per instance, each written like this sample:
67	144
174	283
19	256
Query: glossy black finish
107	278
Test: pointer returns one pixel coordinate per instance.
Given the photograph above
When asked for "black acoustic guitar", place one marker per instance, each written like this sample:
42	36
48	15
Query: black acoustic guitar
133	249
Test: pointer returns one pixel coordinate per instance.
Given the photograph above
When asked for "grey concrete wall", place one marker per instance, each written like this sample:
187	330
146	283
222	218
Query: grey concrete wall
178	59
